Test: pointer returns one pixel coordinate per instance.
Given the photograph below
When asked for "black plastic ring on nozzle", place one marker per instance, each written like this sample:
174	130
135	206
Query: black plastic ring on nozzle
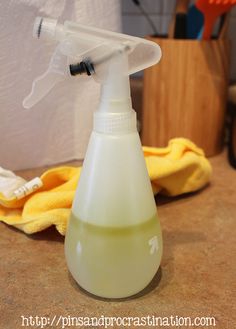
84	67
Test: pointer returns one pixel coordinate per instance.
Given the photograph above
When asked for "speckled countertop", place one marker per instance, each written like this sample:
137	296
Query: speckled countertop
197	276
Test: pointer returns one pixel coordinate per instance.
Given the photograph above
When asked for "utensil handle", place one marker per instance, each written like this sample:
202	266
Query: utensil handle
225	27
180	7
209	22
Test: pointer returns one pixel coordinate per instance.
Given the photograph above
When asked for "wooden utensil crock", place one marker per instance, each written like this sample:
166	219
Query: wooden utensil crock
185	94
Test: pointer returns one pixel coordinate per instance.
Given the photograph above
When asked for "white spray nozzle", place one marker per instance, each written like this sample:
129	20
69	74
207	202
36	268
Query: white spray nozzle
87	50
46	28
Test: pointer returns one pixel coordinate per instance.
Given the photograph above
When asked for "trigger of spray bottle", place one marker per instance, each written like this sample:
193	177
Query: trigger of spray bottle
113	233
86	50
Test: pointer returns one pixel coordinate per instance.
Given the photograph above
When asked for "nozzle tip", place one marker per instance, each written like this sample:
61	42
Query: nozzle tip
44	27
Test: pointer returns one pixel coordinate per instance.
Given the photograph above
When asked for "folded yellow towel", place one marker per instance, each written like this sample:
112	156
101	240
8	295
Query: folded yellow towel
179	168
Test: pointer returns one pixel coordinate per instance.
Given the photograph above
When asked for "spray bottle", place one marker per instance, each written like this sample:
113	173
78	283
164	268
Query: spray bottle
113	244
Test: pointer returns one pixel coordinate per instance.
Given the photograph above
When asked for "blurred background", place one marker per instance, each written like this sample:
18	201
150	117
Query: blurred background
160	12
185	95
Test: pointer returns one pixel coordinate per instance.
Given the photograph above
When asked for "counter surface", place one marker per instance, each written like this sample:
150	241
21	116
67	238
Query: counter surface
196	279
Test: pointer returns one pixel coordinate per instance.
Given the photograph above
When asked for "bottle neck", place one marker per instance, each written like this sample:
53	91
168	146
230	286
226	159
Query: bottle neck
115	114
115	95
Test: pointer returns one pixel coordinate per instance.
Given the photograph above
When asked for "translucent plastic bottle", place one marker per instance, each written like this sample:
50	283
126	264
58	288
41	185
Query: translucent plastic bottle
113	243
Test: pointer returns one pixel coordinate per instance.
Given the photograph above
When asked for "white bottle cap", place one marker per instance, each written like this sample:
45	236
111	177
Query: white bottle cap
115	123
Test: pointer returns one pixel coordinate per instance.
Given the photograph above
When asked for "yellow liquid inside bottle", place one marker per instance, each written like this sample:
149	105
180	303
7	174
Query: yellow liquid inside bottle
113	262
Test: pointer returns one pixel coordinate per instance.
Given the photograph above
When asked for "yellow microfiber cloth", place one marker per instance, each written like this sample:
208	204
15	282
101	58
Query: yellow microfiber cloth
179	168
